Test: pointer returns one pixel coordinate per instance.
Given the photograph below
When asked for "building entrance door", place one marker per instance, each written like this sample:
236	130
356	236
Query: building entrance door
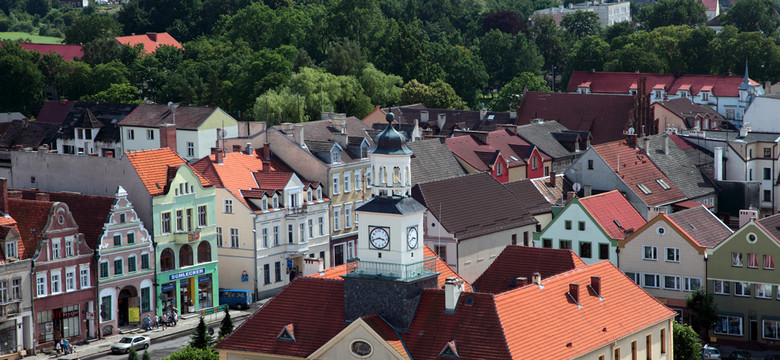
753	330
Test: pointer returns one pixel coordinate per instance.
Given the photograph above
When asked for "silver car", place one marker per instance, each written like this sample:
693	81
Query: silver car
123	345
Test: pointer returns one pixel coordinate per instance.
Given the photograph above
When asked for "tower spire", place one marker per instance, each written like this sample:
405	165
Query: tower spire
746	80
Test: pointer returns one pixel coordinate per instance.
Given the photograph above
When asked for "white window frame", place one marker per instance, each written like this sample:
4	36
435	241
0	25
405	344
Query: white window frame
347	182
227	206
736	259
276	235
70	279
772	324
10	250
763	291
56	282
653	255
348	215
335	184
220	239
130	134
190	148
358	180
265	237
149	134
657	281
321	225
41	287
687	283
675	254
69	249
337	218
310	224
368	178
634	276
720	289
56	248
728	318
742	289
235	238
84	279
676	286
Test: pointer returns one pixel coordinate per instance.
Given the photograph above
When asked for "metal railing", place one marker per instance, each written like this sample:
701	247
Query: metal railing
392	271
298	210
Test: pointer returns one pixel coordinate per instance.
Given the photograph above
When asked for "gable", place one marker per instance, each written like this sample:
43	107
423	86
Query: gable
574	212
359	339
650	231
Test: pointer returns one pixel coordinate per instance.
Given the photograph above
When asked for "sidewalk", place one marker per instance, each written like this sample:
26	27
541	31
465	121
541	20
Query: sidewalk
186	322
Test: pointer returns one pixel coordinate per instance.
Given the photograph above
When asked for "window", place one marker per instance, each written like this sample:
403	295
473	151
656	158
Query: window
590	164
633	276
633	350
56	282
321	225
118	268
166	223
644	188
547	243
144	261
736	259
603	251
663	341
264	203
185	256
499	171
663	184
104	269
117	240
234	238
752	260
219	236
368	177
741	288
131	134
337	218
290	233
649	252
149	134
672	254
763	291
167	260
750	171
534	164
204	252
565	244
347	215
68	247
10	249
16	289
767	172
131	238
70	279
767	196
691	284
769	262
441	251
301	232
671	282
40	282
190	149
649	347
310	222
276	201
3	292
581	225
227	207
729	325
202	217
705	96
179	220
336	184
55	249
567	224
276	235
266	274
122	218
146	300
84	275
347	182
652	280
585	250
358	181
771	329
721	287
105	306
278	271
264	235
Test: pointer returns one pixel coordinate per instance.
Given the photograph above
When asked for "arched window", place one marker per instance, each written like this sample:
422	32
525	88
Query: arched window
396	175
204	252
185	256
167	260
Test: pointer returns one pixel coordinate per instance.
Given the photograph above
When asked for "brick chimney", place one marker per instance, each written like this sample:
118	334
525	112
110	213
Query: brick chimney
4	195
236	148
452	289
746	215
168	136
299	134
552	179
14	194
537	279
217	155
152	36
42	196
521	281
595	284
266	157
574	292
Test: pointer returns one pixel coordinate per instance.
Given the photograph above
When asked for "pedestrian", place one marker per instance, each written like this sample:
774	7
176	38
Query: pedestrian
147	322
164	321
156	321
65	346
57	347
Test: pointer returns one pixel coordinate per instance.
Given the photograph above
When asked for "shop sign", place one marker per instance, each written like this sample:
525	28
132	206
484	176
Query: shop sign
186	274
244	276
133	314
289	263
193	236
70	314
206	278
168	286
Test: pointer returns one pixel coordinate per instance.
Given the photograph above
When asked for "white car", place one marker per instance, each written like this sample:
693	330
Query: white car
138	342
710	352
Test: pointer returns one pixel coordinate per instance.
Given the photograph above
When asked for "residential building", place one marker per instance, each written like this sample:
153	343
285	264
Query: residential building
729	95
668	255
678	114
605	117
334	153
150	41
556	190
433	161
554	139
191	131
272	225
534	201
741	276
26	134
501	153
591	226
442	123
67	51
517	266
622	165
469	230
712	8
92	128
609	13
762	112
17	326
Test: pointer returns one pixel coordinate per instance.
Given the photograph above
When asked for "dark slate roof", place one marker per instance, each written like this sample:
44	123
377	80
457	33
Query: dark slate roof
604	116
433	161
390	141
529	195
320	136
688	110
94	115
473	205
391	205
54	112
156	115
676	165
405	129
28	134
702	225
541	135
523	261
454	119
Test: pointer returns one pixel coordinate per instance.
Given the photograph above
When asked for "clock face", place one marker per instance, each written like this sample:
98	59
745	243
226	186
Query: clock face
411	237
379	238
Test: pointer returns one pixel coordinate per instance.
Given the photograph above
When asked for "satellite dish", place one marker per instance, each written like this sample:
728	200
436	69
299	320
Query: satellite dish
631	131
577	187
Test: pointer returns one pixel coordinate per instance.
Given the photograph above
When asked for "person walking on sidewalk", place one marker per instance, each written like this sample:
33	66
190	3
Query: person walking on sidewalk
156	321
147	323
164	321
57	347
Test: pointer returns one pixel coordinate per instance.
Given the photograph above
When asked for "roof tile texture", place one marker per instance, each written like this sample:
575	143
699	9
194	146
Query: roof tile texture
156	115
619	82
607	207
150	41
516	261
152	168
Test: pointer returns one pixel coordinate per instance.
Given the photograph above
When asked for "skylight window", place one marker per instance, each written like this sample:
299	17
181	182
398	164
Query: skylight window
663	184
644	188
514	158
450	350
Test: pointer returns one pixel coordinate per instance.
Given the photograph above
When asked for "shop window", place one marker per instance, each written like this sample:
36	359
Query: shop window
45	326
167	260
185	256
205	293
204	252
71	326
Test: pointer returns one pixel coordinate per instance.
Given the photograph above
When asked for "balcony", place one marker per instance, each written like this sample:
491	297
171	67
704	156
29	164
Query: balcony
400	272
183	237
10	309
297	210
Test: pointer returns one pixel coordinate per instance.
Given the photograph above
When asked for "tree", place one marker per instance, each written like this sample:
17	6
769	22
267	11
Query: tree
201	339
505	55
191	353
90	27
673	12
439	95
131	354
511	94
581	23
275	107
226	325
623	28
504	20
589	53
634	58
22	81
38	7
753	15
74	80
704	312
687	345
146	355
383	89
117	93
549	40
345	57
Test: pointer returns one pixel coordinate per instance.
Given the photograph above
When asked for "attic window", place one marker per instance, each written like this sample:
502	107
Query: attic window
361	348
335	155
663	184
514	158
644	188
618	223
450	350
364	149
692	227
287	333
469	301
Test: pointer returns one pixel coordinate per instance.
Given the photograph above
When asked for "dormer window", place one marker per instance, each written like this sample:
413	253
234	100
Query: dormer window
10	250
335	155
663	184
450	350
705	95
287	333
364	149
276	201
319	193
264	202
308	195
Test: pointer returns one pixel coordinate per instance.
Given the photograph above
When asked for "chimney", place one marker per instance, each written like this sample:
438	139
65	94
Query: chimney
442	120
717	166
43	148
340	123
570	195
424	116
746	215
587	190
299	134
286	127
552	179
666	145
537	279
513	114
236	148
266	157
4	195
745	130
452	289
248	149
647	145
152	36
41	196
521	281
482	113
574	292
595	284
168	136
217	155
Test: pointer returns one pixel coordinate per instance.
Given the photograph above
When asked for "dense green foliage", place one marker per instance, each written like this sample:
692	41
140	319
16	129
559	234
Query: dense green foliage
191	353
704	311
687	345
132	354
201	338
226	325
146	355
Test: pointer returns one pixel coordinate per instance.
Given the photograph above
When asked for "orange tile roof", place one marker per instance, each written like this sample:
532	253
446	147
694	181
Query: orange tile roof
539	323
234	174
516	261
150	41
636	168
607	207
444	270
152	168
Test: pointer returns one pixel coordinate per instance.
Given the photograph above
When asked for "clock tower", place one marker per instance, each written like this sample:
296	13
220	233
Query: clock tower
391	269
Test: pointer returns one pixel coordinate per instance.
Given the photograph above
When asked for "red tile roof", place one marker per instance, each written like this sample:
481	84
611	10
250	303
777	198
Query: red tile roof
272	180
636	168
150	41
315	307
682	144
236	172
619	82
516	261
152	168
54	112
604	116
480	155
710	5
607	207
68	52
32	217
540	323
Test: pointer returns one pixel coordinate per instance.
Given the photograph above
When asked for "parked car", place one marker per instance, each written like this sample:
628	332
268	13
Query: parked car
740	355
124	344
710	352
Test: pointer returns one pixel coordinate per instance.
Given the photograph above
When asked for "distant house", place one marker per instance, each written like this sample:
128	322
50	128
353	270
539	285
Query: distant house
531	197
26	134
433	161
609	13
444	122
712	8
680	114
68	52
762	115
92	128
551	137
150	41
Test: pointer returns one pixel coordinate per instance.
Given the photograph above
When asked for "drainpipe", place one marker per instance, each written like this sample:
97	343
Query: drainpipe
254	234
34	316
96	304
